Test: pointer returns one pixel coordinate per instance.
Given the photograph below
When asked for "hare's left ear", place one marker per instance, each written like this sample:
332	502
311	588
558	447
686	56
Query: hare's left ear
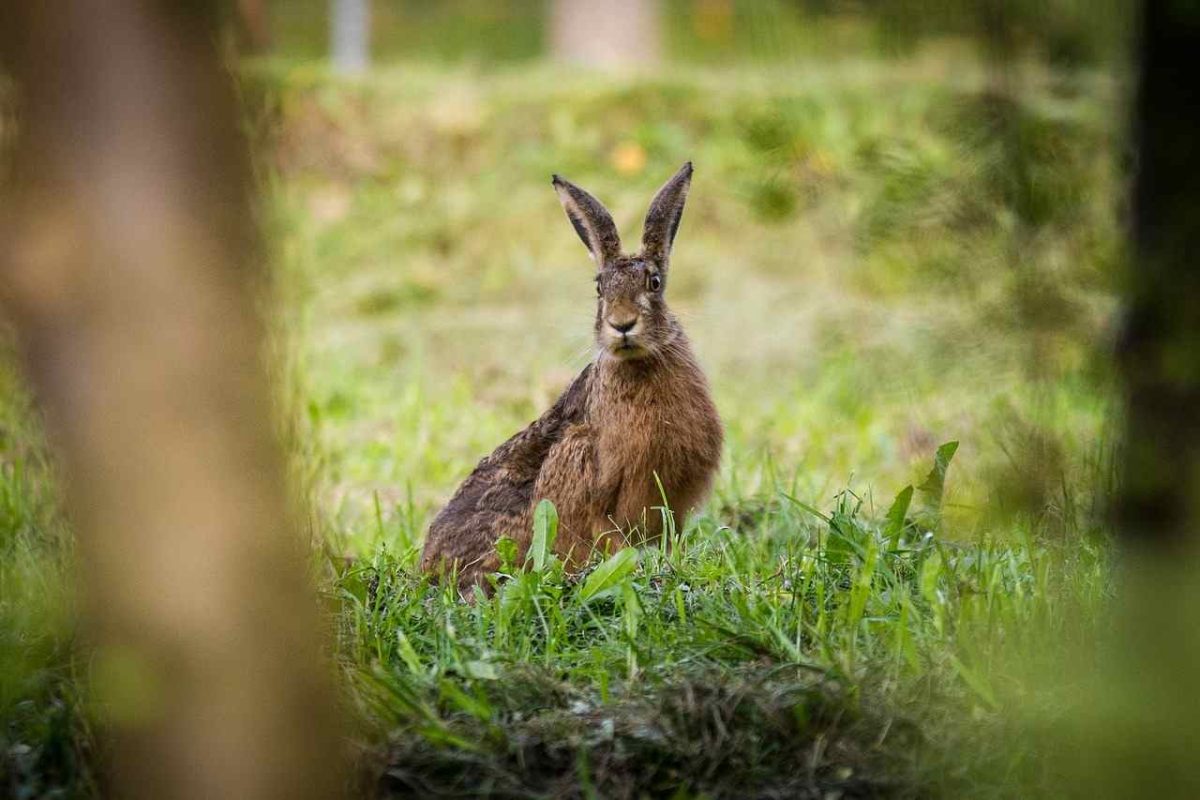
662	220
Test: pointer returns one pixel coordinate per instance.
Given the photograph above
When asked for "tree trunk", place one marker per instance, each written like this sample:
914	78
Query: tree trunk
350	33
128	270
1141	727
1160	348
608	35
255	25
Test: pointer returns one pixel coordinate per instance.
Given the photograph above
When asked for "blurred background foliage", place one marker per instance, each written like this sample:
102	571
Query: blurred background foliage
1066	33
939	219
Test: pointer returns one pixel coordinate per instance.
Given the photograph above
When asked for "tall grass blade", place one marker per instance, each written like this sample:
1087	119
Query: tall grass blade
545	531
897	515
934	485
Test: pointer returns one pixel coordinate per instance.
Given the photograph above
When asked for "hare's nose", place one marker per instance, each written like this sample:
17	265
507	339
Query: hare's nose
623	327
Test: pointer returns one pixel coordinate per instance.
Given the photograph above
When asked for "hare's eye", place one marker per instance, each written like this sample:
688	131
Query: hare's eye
598	289
654	282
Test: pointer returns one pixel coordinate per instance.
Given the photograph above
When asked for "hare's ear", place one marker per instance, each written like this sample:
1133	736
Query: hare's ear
666	210
592	221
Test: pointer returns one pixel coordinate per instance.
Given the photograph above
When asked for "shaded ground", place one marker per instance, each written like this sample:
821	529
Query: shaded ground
763	732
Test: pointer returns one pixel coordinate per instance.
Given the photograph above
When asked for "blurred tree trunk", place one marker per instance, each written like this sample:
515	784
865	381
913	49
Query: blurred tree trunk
1141	726
1160	350
609	35
129	268
350	35
255	25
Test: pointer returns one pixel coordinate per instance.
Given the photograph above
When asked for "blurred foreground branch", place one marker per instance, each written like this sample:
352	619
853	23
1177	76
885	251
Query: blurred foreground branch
1161	345
1139	728
127	270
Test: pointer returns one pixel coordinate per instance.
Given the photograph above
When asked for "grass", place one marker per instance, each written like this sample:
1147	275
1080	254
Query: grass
771	650
869	269
792	654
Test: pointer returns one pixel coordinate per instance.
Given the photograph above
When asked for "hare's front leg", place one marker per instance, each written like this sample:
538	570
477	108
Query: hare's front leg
568	479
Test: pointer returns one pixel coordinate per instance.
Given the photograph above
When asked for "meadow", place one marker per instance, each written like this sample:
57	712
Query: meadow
901	280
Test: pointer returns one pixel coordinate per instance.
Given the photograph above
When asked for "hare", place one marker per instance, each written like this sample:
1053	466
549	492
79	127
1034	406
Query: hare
638	415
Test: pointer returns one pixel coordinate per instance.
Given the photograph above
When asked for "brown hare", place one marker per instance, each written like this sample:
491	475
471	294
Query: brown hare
639	414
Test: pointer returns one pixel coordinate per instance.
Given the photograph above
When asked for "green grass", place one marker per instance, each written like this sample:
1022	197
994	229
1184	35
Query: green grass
783	653
869	270
44	741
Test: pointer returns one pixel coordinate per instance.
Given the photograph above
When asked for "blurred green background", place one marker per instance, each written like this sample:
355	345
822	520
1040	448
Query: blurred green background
897	236
1064	32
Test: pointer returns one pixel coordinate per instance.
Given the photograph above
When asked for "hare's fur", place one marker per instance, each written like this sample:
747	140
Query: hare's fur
639	415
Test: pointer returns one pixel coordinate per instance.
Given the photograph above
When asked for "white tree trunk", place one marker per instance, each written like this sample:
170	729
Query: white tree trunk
349	33
606	34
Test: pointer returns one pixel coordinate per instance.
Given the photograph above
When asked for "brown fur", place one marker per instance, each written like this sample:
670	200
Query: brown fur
641	409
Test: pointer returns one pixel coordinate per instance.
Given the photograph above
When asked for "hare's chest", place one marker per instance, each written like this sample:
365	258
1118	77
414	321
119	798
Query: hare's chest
645	454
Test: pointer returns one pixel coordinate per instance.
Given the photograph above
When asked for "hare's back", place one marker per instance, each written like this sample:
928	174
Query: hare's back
495	500
489	504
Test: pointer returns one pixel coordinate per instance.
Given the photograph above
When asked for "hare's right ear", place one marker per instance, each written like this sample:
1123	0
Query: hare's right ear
666	210
591	220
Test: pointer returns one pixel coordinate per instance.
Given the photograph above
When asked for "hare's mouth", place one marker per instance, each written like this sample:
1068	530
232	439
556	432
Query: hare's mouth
626	348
